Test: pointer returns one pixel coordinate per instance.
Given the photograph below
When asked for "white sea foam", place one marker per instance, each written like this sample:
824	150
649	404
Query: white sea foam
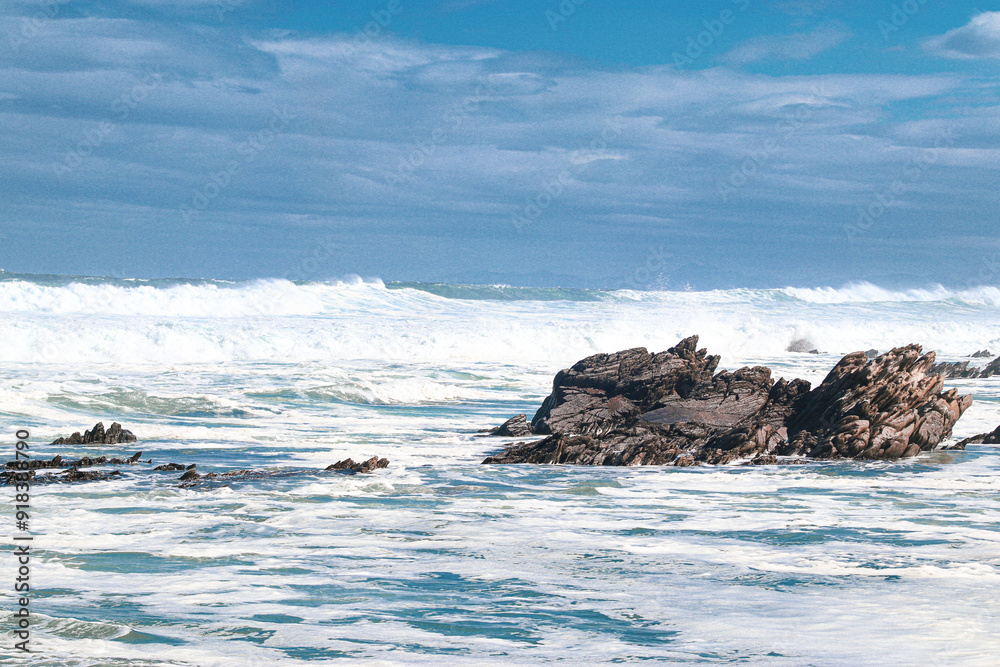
986	295
438	558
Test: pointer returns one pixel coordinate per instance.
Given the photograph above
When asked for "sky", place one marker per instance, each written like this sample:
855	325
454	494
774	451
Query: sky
582	143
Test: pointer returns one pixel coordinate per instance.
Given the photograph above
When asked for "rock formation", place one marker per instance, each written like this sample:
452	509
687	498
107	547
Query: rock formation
24	470
515	427
981	439
671	408
192	479
374	463
961	369
98	436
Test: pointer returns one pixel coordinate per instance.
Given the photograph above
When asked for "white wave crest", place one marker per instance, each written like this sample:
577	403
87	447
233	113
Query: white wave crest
278	320
986	295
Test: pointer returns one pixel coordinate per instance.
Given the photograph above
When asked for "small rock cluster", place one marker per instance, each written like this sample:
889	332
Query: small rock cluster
374	463
98	436
24	470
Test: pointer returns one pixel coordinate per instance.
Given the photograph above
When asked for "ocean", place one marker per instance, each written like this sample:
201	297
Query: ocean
438	559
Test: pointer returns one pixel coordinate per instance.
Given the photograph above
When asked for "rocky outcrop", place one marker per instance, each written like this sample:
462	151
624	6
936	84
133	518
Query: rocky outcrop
59	462
963	370
98	436
515	427
981	439
637	408
882	408
374	463
24	470
605	390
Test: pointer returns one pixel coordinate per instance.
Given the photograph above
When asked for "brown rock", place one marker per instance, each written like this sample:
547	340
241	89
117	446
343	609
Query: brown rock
636	408
582	396
374	463
878	406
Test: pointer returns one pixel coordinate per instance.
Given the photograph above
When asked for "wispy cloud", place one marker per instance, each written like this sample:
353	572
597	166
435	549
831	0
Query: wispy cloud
979	38
798	46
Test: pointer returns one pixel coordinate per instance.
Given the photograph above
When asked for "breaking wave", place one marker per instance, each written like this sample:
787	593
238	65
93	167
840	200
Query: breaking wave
58	319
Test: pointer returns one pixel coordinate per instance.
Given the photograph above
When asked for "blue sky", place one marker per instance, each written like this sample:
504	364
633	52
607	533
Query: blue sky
594	143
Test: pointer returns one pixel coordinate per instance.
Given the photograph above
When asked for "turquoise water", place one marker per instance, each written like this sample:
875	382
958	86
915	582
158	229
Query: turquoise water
438	558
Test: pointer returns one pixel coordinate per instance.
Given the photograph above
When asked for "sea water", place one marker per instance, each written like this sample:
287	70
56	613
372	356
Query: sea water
438	558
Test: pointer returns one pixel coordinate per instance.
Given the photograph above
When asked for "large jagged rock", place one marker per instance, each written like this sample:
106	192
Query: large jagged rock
98	436
883	408
603	390
637	408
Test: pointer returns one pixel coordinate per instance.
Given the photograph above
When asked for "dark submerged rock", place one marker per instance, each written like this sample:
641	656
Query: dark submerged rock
23	470
637	408
171	467
76	475
191	479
